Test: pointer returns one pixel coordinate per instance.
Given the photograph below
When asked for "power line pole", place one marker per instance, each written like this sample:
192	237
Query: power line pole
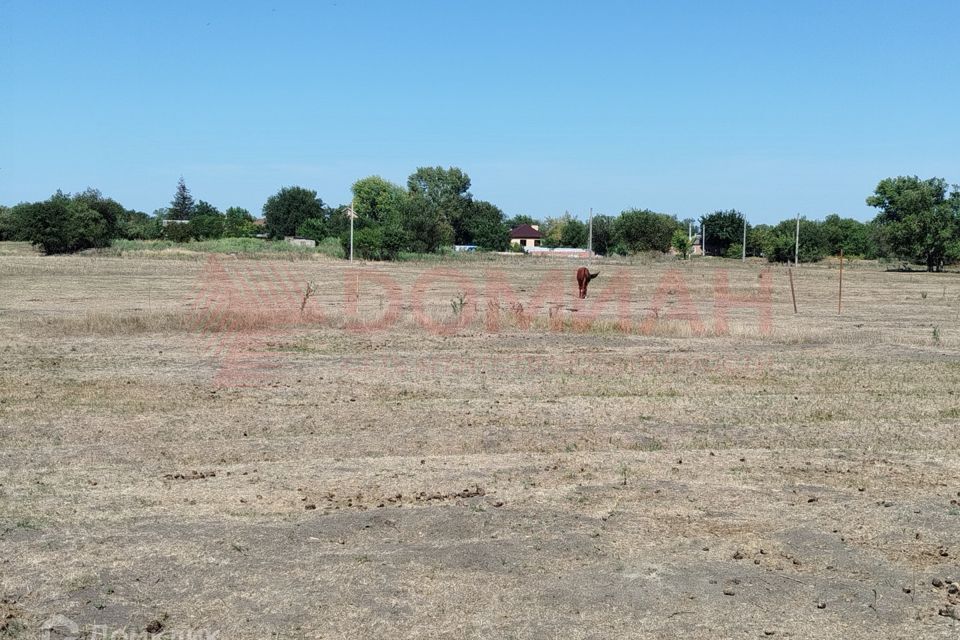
703	238
796	247
744	245
590	234
351	214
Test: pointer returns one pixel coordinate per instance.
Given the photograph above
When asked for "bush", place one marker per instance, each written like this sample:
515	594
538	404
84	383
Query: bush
331	247
238	223
177	231
313	228
366	243
681	243
63	225
395	239
383	242
136	225
206	226
735	250
247	247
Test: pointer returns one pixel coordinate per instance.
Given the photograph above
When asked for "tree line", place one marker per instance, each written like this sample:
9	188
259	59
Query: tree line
918	221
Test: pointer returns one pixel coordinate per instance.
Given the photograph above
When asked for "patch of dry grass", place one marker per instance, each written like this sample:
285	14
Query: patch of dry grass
178	438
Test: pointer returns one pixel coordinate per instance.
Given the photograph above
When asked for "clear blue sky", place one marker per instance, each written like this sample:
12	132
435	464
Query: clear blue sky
770	107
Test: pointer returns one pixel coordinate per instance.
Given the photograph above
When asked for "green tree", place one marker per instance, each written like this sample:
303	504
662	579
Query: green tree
781	242
564	231
603	234
853	236
394	240
448	190
377	200
110	210
177	231
238	223
203	208
552	229
63	224
724	228
182	205
12	225
681	243
427	229
368	243
381	242
313	228
482	225
137	225
338	224
516	221
643	230
6	224
574	234
289	208
207	222
918	220
758	238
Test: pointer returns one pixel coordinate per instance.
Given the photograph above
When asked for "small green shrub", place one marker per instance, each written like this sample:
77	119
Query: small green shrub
331	247
735	251
176	231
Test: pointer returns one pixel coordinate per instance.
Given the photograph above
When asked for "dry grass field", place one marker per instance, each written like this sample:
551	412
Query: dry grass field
183	449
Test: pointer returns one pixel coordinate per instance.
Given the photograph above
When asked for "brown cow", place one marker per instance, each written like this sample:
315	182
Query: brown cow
583	279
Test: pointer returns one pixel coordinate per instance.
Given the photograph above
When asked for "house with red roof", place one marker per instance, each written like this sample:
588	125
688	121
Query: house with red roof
526	235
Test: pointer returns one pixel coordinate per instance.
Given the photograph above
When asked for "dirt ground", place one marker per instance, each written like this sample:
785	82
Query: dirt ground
197	446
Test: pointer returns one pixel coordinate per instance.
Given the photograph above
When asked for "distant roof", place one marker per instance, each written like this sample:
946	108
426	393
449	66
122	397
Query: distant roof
524	231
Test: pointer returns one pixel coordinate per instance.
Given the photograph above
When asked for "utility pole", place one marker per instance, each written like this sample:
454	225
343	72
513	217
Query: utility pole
590	235
840	295
703	238
351	214
744	245
796	247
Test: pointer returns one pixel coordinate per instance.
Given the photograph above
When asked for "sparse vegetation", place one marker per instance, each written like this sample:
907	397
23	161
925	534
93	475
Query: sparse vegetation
459	303
444	465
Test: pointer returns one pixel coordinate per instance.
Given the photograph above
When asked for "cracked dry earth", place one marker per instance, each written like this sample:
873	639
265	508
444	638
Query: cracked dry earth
522	483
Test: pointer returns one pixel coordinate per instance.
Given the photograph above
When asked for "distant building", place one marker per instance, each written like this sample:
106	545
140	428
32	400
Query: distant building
562	252
526	235
300	242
